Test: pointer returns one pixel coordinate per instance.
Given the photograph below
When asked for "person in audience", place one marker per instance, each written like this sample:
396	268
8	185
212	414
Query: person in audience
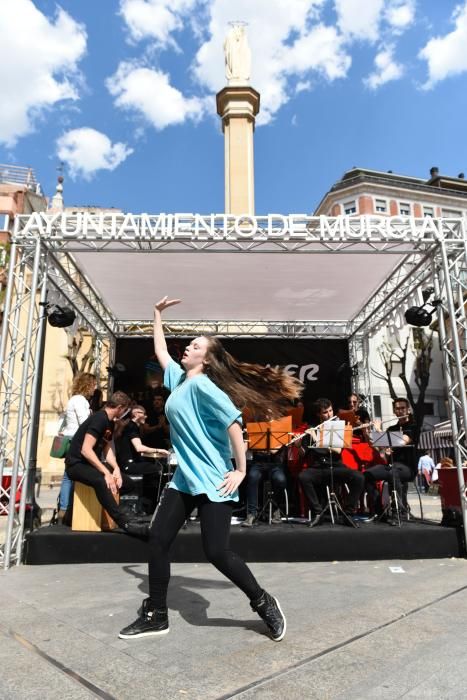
318	473
426	467
91	461
204	415
77	410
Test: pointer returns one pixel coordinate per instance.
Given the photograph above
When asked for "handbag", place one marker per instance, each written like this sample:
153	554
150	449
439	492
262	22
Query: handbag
60	443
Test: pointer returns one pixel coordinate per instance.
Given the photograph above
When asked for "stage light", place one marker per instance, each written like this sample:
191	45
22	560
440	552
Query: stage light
420	315
61	316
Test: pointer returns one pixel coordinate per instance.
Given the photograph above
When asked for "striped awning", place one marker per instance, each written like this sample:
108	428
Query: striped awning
432	440
443	430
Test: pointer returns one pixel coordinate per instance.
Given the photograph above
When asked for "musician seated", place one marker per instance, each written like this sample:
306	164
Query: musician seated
133	456
265	465
318	473
400	467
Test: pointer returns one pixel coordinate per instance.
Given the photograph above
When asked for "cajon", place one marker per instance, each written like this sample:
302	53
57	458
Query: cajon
88	514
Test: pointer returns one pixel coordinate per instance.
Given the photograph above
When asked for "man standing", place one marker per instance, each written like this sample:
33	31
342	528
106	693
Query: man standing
91	461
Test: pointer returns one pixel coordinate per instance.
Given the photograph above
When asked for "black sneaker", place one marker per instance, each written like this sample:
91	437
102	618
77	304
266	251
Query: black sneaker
269	610
150	623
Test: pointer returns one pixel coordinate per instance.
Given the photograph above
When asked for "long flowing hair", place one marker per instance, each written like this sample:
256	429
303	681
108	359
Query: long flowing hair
267	392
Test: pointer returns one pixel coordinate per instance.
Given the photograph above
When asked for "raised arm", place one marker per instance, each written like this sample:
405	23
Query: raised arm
160	346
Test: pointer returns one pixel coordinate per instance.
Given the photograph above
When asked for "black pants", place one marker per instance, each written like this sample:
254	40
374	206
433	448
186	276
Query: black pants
173	509
395	475
269	470
89	475
314	477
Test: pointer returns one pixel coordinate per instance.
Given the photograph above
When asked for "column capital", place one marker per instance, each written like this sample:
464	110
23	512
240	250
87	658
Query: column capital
237	101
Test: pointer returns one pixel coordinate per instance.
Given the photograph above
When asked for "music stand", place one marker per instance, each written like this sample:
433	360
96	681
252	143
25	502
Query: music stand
266	436
390	439
337	434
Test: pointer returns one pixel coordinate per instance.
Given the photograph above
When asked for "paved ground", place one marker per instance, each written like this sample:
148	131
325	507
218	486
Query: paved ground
356	630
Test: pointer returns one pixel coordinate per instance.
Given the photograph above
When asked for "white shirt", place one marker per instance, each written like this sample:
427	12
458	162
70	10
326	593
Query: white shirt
76	412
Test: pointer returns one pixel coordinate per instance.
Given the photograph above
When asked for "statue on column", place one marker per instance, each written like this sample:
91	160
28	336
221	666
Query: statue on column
237	56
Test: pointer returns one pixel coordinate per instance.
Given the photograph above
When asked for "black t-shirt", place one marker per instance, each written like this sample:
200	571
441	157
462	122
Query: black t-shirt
158	437
125	451
100	426
405	455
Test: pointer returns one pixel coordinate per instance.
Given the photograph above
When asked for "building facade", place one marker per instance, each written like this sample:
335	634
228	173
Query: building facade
361	191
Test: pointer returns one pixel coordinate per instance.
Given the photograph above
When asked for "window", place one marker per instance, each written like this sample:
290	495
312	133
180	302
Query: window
404	209
377	407
429	408
428	211
396	368
381	205
350	207
451	213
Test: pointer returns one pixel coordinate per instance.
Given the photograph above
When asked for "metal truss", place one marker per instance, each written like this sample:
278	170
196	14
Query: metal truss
238	329
359	355
23	330
178	233
393	295
450	284
33	272
433	253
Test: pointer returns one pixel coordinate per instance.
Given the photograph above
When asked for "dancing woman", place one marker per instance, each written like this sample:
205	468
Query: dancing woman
204	411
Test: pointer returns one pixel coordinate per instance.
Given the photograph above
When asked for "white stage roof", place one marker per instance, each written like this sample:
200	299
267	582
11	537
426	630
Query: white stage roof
232	286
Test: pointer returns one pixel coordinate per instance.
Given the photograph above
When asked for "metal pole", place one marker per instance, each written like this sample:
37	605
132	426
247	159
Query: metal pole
21	407
27	492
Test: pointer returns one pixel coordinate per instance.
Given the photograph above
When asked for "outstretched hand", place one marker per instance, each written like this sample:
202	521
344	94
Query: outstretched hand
165	302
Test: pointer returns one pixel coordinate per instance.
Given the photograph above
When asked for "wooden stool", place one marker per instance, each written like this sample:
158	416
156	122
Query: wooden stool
88	514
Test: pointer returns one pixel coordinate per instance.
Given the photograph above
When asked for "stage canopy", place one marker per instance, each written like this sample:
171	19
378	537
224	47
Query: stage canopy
228	286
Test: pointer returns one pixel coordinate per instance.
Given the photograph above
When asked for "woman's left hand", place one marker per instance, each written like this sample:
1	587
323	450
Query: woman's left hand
231	482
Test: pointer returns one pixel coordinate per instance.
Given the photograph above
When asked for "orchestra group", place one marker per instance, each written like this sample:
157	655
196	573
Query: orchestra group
203	428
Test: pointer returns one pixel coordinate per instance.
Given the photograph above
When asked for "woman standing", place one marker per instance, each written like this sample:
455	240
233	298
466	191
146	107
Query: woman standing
76	412
204	411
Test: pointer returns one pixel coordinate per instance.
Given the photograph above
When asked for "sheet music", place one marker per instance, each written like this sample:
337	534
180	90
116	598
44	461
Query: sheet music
331	434
381	439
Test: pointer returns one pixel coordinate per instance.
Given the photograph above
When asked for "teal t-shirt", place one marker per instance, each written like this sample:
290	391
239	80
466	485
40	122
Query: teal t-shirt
199	414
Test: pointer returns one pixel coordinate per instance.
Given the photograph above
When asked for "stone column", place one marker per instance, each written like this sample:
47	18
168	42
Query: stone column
238	106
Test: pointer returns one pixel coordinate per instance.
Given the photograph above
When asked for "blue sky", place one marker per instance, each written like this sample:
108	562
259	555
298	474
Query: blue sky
123	93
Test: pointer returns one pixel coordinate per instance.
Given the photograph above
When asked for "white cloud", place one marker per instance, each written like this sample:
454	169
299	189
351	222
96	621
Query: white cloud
149	92
86	151
400	13
359	19
386	69
447	55
38	64
155	19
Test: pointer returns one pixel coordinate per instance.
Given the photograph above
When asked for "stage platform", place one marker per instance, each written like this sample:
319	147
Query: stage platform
292	542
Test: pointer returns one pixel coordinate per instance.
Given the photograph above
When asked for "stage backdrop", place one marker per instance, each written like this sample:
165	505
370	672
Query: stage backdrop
322	365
